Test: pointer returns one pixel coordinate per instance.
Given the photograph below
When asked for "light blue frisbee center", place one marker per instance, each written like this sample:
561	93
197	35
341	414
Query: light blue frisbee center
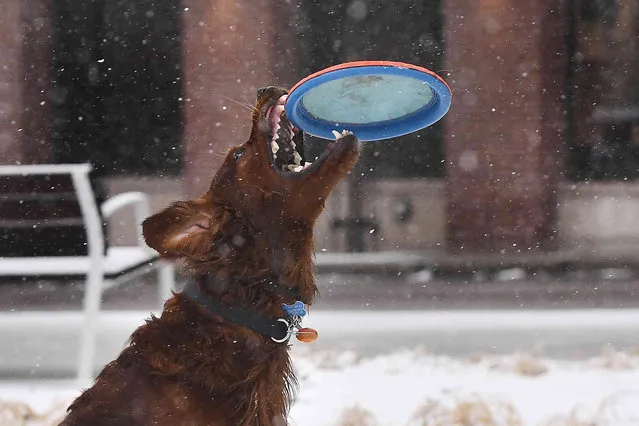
365	99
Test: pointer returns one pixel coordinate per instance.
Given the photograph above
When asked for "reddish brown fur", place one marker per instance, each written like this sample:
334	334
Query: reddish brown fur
189	367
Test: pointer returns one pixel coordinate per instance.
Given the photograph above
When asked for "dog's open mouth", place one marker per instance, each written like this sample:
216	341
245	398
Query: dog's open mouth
286	143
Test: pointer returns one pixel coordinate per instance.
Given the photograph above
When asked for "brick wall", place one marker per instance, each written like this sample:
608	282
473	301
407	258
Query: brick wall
24	82
10	78
230	50
504	130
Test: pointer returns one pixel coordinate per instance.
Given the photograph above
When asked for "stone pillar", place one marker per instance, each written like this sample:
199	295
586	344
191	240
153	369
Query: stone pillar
504	132
25	50
10	82
230	49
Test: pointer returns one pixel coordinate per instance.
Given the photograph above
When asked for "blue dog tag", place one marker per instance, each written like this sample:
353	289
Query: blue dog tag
295	310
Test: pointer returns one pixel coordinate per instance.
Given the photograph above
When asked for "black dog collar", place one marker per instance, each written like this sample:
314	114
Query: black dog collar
278	329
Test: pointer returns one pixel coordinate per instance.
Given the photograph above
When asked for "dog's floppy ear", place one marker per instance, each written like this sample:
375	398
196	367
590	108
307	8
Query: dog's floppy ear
180	230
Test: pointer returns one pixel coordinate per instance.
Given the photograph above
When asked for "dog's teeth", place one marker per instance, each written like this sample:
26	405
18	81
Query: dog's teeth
297	158
276	129
307	165
274	147
294	168
339	135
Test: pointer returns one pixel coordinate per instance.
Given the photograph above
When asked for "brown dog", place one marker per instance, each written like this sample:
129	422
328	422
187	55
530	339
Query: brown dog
218	354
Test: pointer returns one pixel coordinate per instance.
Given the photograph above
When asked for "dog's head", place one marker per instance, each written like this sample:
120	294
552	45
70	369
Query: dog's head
266	182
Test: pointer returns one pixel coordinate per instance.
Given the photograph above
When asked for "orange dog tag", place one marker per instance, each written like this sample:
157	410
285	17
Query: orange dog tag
306	335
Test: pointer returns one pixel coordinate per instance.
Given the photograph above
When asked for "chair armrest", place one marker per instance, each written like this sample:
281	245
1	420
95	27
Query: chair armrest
138	200
115	203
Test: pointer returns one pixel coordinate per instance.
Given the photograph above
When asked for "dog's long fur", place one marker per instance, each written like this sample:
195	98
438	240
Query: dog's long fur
254	225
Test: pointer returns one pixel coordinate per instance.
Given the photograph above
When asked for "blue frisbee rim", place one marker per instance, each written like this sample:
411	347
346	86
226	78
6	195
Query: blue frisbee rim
425	116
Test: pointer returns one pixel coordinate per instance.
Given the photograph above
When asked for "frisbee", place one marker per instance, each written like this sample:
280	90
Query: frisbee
375	100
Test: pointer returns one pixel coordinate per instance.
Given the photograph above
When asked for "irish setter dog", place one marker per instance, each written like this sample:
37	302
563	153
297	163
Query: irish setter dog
211	358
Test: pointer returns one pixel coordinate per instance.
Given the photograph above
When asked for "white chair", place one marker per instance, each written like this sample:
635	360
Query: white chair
102	270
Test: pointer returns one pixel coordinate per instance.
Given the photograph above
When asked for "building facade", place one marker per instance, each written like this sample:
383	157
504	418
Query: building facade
538	152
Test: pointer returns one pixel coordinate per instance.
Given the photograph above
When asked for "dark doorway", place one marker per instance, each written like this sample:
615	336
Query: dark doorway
603	95
335	31
117	89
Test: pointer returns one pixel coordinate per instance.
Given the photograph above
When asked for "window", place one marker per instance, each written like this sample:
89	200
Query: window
116	72
603	94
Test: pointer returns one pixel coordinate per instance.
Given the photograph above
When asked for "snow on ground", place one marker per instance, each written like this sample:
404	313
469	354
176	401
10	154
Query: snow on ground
415	388
34	403
401	388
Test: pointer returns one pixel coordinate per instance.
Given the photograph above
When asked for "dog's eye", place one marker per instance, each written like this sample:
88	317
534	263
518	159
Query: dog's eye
238	154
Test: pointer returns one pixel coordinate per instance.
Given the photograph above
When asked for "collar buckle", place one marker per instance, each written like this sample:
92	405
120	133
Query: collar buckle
293	324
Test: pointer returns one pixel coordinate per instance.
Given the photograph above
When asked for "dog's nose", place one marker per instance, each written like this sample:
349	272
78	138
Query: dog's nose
261	91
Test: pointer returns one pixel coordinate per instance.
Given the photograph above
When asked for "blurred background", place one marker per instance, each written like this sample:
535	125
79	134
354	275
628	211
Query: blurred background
538	153
523	198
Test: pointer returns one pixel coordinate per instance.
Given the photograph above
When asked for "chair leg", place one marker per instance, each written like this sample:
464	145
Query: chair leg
166	278
87	350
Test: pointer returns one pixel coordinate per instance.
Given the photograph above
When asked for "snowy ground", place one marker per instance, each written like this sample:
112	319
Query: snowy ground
45	344
416	388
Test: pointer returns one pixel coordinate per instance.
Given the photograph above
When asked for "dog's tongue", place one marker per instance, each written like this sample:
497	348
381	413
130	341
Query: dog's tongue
274	114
